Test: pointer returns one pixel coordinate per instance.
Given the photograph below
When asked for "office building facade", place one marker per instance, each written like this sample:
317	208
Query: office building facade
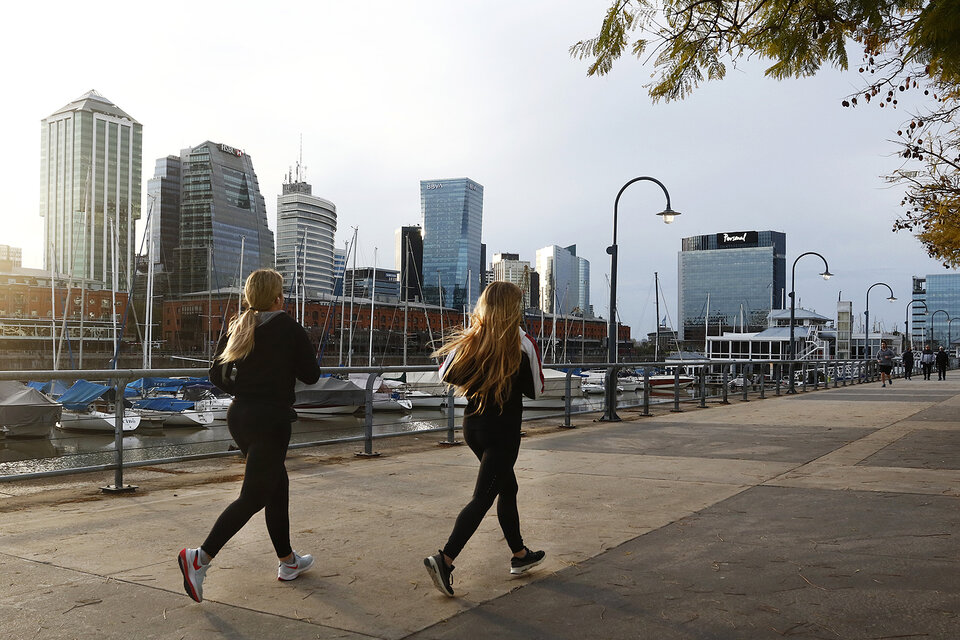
221	227
452	211
383	285
10	257
90	173
743	274
564	280
508	267
306	225
931	325
409	262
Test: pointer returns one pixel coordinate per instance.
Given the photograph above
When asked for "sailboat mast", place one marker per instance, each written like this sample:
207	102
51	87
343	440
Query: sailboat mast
373	295
656	296
353	281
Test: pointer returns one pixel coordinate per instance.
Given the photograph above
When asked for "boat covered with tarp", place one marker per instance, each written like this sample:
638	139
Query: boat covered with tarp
53	388
327	396
171	412
78	415
25	412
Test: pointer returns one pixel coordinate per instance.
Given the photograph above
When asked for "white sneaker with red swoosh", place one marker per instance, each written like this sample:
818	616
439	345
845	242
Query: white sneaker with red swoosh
193	572
290	570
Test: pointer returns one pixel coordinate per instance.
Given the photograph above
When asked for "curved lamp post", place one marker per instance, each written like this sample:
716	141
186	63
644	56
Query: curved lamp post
668	214
906	320
932	316
866	317
793	309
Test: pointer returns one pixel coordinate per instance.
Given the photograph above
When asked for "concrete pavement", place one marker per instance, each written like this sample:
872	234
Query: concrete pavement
831	514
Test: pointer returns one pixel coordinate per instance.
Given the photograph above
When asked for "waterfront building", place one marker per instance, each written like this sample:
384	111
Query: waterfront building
452	211
221	214
90	166
844	329
360	282
10	257
306	225
408	259
744	275
814	338
508	267
564	280
939	291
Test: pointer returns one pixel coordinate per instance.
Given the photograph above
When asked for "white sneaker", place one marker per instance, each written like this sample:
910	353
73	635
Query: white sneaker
193	572
290	571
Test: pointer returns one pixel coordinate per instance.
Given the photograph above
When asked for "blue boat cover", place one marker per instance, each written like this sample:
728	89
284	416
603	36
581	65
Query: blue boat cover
53	388
81	394
159	385
163	404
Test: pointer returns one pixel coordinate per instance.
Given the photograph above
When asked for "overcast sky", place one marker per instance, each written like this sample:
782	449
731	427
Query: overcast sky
386	94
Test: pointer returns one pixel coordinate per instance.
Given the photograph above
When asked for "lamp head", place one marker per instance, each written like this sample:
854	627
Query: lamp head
826	274
892	299
668	215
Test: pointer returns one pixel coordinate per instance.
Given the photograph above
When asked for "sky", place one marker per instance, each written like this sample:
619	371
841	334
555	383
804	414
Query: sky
385	94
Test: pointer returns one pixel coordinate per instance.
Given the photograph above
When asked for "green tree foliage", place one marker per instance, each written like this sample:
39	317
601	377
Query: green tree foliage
904	46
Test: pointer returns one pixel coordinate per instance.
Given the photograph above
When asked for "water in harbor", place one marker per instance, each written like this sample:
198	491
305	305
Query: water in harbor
70	449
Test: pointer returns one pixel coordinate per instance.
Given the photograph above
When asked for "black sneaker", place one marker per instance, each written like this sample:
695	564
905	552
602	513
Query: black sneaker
440	572
527	562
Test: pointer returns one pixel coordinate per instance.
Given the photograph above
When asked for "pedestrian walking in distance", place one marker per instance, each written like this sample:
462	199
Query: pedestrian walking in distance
493	363
885	364
908	363
258	361
942	360
926	361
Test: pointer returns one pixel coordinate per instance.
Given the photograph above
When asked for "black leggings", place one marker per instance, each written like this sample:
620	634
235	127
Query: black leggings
262	432
496	445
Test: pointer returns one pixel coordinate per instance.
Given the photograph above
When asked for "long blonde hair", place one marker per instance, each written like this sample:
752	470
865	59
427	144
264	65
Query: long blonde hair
488	352
261	289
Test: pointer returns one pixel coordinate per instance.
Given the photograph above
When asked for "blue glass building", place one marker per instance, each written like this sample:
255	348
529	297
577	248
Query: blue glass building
452	211
742	272
940	292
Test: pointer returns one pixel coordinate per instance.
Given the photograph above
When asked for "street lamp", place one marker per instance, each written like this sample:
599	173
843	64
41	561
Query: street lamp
668	214
793	276
866	317
932	316
907	320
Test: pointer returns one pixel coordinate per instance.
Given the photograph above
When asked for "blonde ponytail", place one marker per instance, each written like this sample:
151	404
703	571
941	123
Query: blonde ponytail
261	289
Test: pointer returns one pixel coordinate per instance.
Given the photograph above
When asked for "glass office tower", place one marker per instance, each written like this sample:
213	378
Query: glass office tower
564	280
742	272
409	261
940	292
452	211
221	212
90	166
306	225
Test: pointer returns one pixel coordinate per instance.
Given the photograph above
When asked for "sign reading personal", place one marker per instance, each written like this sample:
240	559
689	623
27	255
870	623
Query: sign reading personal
736	237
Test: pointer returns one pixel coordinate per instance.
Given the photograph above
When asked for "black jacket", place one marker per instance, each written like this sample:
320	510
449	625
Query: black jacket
281	354
942	360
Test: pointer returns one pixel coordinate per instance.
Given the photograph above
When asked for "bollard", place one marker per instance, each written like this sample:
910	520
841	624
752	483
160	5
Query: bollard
451	410
566	402
646	391
368	451
725	383
676	390
118	486
743	376
703	387
763	394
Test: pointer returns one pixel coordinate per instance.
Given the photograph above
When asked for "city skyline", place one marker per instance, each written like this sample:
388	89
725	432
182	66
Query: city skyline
551	146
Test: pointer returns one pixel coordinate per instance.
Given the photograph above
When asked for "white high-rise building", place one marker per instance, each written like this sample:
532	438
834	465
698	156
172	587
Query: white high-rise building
508	267
306	225
564	280
90	175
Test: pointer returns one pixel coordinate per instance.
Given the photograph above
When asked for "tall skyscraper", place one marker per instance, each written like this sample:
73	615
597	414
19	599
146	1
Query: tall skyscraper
409	252
90	172
940	292
163	211
742	272
306	225
508	267
452	212
221	214
564	280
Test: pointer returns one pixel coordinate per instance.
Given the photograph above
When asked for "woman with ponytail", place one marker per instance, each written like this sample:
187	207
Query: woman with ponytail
493	363
259	360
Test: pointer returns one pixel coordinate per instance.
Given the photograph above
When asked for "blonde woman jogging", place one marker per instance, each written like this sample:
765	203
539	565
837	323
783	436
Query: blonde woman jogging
493	363
258	361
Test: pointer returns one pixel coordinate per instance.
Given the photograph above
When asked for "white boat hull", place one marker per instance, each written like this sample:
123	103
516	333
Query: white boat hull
216	407
96	421
319	412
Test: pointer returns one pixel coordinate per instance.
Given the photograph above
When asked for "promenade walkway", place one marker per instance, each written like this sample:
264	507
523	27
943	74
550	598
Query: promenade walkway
830	514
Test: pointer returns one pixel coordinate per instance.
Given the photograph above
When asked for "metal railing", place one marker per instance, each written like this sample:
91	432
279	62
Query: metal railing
713	381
